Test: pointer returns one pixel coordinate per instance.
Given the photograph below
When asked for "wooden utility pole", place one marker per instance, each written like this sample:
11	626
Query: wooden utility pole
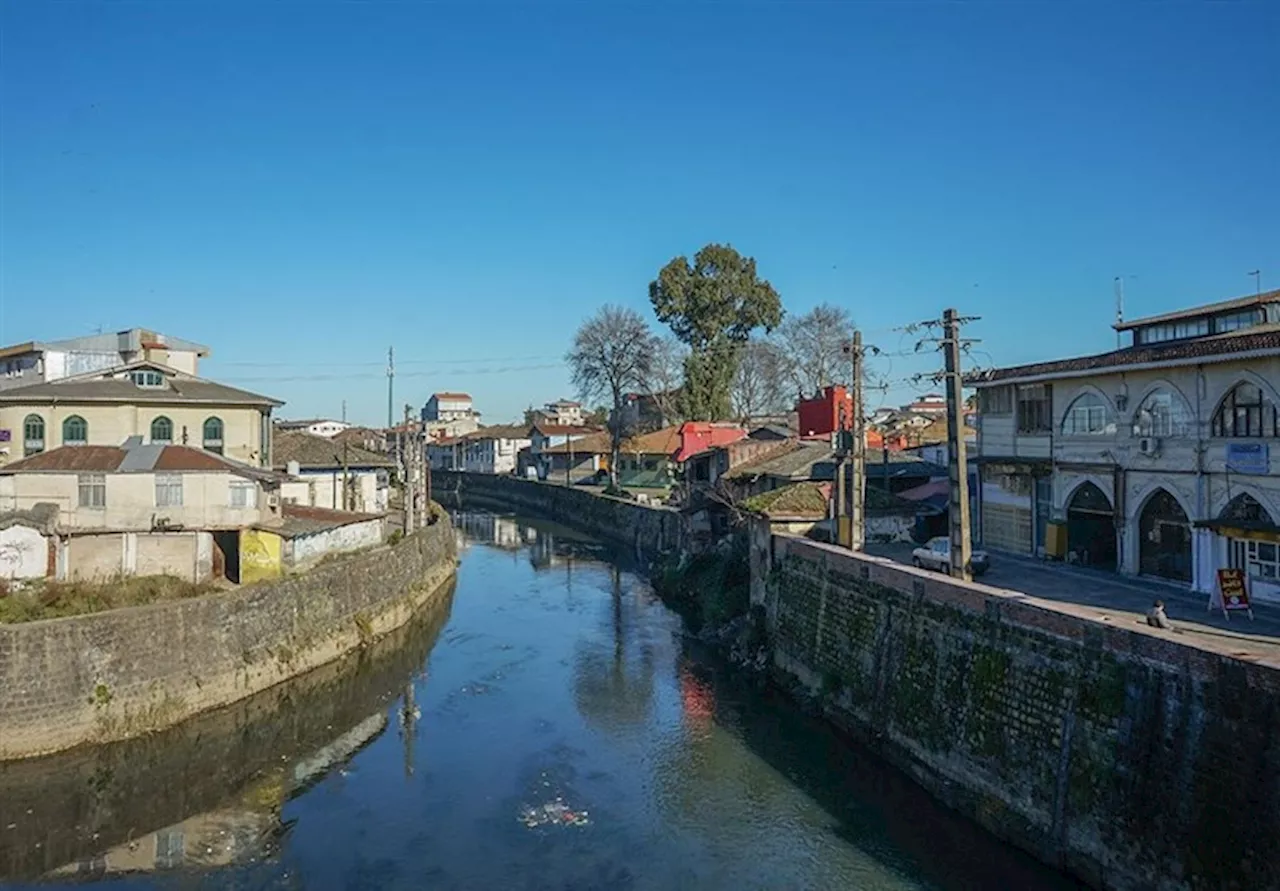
858	469
345	478
958	465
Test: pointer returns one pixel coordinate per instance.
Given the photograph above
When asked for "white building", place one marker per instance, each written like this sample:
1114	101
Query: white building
545	437
449	407
1156	456
493	449
562	413
327	466
39	362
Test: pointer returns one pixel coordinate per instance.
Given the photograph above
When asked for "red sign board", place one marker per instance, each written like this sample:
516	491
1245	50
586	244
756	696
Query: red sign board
1235	593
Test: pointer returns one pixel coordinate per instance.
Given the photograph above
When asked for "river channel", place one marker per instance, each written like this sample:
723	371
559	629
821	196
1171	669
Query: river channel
550	726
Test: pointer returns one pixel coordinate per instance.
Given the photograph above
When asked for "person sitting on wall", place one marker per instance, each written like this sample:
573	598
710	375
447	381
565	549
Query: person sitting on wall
1156	617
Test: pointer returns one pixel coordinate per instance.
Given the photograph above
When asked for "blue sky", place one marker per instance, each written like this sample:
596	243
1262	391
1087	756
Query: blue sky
304	184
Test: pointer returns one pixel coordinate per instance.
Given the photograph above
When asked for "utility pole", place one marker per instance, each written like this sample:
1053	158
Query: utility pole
391	387
344	411
857	515
959	467
407	464
345	479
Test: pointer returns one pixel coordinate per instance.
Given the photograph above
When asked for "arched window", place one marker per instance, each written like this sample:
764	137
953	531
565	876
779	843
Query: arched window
75	431
32	435
1246	412
1244	508
213	435
162	430
1163	414
1088	415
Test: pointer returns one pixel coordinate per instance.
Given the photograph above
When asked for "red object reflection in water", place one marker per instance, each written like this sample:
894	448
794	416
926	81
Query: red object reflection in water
697	698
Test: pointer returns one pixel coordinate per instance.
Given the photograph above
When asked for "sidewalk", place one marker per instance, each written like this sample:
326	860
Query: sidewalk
1121	599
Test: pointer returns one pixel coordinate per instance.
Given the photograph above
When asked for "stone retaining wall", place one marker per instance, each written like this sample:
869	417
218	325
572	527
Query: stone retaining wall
118	674
648	530
1120	754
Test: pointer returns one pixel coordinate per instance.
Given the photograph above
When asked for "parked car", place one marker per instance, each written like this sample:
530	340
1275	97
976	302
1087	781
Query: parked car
936	554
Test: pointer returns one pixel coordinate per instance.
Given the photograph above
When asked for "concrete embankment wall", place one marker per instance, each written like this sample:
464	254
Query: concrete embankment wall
1122	755
648	530
118	674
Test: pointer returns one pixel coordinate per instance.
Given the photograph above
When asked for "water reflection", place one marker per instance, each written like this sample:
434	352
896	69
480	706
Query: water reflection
210	792
569	735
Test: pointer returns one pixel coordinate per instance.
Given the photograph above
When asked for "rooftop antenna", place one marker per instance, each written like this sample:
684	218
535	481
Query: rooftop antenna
1257	281
1118	285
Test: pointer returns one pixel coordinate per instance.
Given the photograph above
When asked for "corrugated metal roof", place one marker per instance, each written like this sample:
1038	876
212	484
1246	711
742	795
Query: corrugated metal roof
87	458
139	459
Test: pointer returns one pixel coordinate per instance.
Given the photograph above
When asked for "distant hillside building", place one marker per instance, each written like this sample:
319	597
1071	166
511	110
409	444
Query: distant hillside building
448	407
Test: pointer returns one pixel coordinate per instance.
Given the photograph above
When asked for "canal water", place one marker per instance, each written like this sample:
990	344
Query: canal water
550	726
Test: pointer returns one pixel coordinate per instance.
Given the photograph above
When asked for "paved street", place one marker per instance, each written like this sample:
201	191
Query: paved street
1118	600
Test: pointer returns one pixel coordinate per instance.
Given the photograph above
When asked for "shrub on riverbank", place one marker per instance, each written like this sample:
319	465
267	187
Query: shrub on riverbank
710	589
53	599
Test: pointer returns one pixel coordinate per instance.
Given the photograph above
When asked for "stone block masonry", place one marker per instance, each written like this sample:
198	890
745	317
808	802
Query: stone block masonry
647	530
123	673
1120	754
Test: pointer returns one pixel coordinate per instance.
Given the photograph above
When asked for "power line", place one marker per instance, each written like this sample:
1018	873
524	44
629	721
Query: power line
399	374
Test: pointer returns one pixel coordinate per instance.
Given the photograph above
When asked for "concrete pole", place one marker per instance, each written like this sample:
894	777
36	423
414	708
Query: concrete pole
407	462
958	465
857	513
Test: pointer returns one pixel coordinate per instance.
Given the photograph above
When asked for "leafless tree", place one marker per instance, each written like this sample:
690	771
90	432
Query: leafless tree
612	354
758	381
666	377
812	347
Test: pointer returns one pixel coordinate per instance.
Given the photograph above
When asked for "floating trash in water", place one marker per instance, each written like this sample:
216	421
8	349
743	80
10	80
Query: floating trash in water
553	813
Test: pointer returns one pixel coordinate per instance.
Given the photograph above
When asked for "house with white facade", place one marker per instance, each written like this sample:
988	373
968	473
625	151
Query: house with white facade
561	413
543	438
1156	457
493	449
340	475
449	407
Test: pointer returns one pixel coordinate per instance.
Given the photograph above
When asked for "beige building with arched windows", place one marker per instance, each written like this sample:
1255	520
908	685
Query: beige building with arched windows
142	399
1157	456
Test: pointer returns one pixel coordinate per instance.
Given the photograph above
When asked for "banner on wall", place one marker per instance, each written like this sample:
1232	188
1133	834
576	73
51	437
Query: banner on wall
1233	593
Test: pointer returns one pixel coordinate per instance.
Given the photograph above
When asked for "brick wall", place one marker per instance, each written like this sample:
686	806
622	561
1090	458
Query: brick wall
118	674
649	530
1117	753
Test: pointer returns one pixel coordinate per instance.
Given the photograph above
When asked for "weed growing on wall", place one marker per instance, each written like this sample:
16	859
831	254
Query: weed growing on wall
710	589
53	599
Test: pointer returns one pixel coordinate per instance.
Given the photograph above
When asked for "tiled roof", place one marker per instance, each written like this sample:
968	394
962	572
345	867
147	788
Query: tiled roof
1263	338
451	396
562	429
804	500
105	387
660	442
499	431
319	452
792	460
138	459
1202	310
302	519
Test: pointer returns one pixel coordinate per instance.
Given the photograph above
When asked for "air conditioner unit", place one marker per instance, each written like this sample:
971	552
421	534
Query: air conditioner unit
1149	445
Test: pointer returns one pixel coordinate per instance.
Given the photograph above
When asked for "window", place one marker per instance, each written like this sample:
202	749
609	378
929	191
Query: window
1163	414
1173	331
162	431
75	431
244	493
995	401
1088	415
1235	321
1260	559
147	378
168	490
1244	508
213	435
93	490
32	435
1035	413
1245	412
